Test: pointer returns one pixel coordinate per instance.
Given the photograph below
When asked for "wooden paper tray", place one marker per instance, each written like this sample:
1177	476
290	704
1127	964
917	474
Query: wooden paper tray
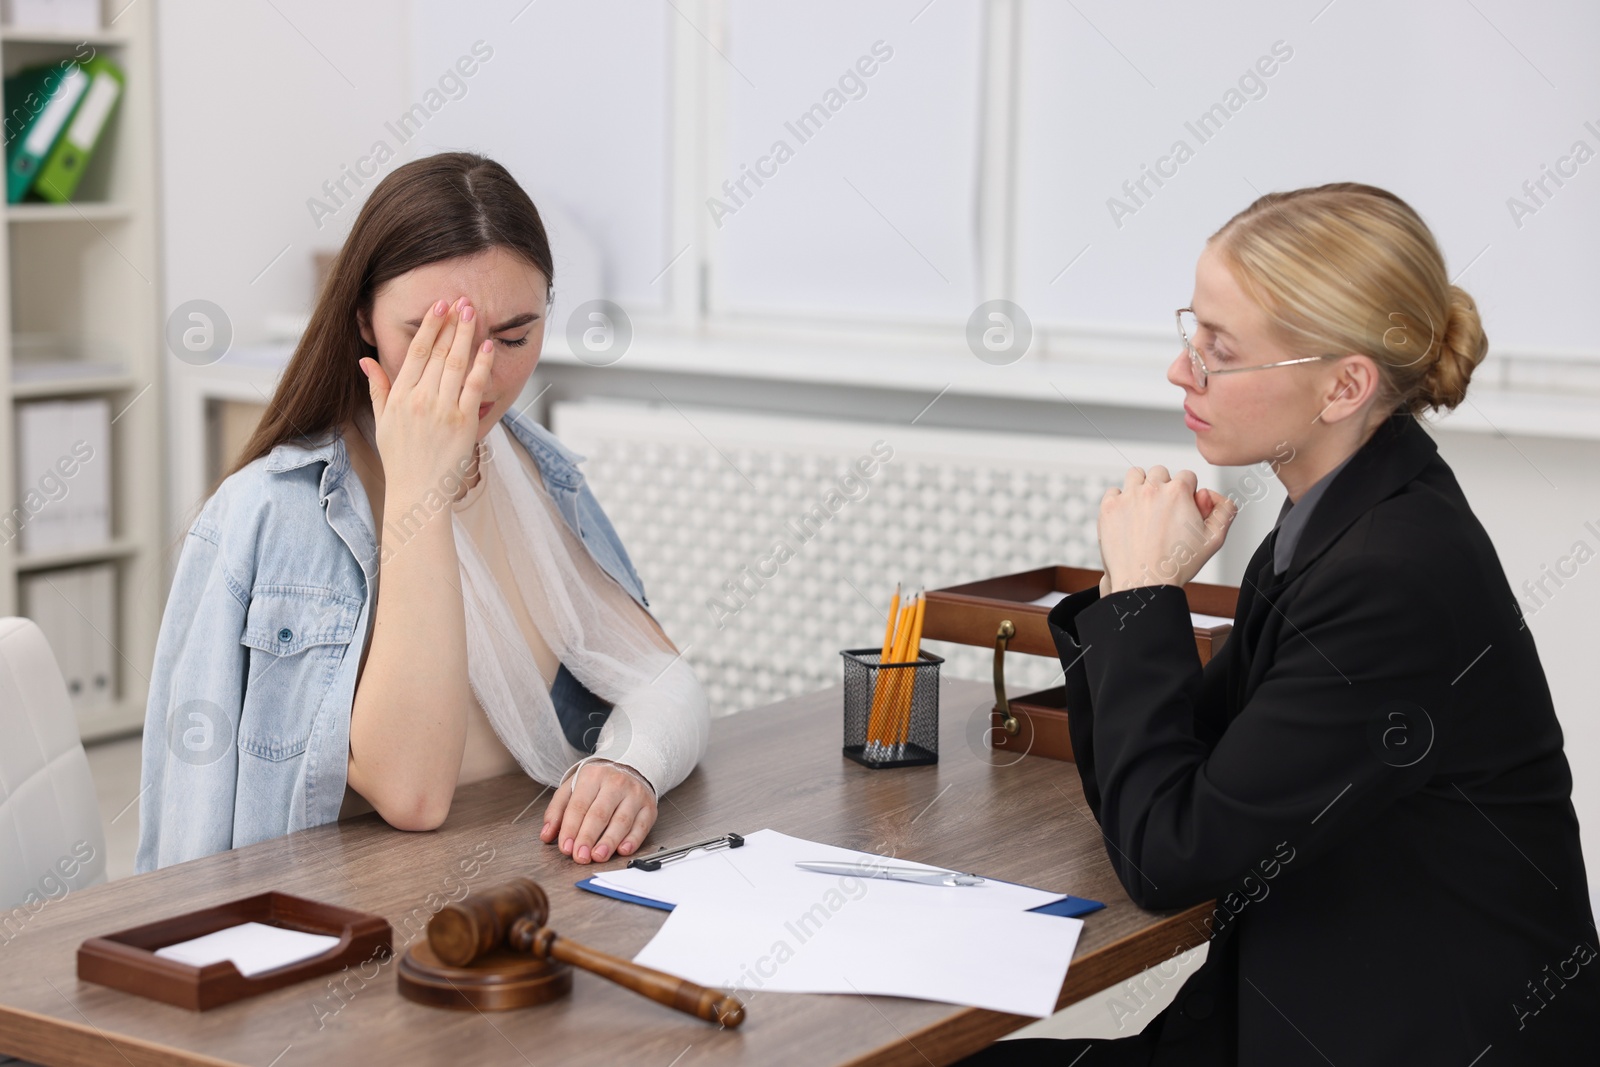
971	614
126	960
974	614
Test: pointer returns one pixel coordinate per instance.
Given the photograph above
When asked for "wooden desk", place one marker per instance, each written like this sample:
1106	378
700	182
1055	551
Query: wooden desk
776	767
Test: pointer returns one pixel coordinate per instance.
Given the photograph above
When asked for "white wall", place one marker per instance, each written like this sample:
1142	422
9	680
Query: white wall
581	123
257	110
874	216
1452	106
260	109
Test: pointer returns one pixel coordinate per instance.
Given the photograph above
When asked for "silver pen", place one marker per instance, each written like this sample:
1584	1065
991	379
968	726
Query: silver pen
899	874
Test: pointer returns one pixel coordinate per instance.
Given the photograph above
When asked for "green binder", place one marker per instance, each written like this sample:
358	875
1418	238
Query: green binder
38	104
64	167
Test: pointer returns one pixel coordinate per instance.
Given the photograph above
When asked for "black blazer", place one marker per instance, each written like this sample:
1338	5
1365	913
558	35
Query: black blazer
1368	778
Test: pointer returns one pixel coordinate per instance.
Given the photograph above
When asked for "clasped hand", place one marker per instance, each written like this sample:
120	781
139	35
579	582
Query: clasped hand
1159	529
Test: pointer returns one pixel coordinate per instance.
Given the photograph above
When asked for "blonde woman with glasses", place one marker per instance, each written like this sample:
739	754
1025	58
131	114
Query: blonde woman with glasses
1367	784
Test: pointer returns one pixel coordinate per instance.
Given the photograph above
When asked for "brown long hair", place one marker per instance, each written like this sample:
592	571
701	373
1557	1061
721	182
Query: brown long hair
436	208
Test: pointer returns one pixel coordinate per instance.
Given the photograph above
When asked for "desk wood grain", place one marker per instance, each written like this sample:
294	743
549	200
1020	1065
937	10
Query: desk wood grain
1024	820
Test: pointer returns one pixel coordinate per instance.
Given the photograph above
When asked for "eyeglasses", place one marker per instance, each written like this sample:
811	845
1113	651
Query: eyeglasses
1188	324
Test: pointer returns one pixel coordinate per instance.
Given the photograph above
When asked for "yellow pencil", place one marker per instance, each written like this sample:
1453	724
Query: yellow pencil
888	626
877	720
888	648
908	687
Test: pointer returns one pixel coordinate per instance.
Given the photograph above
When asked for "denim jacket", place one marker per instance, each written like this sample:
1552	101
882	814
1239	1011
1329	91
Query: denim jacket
247	730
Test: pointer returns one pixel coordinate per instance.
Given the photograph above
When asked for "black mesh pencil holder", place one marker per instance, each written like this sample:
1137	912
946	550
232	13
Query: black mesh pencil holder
891	711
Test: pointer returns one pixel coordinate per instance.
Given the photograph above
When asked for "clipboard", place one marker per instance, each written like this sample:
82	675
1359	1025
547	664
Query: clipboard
1069	908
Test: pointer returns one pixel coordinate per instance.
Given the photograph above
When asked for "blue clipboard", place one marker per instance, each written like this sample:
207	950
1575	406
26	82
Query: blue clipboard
1071	908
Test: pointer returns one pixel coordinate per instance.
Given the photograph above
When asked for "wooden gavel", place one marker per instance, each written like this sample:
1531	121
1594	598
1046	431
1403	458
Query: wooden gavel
514	915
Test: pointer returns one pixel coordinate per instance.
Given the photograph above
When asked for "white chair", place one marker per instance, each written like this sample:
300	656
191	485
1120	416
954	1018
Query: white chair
51	839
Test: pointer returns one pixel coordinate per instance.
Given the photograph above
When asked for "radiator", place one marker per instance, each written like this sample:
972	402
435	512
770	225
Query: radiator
765	548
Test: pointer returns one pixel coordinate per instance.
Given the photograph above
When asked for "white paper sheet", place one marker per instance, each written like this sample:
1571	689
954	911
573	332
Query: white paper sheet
1012	961
253	948
764	869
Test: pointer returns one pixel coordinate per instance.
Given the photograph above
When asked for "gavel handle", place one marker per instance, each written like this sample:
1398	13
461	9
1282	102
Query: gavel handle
680	993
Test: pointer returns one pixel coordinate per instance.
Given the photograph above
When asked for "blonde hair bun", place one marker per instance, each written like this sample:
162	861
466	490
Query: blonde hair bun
1462	348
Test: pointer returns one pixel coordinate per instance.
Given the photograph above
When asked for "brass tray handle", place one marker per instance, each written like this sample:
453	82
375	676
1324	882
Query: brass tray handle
1008	720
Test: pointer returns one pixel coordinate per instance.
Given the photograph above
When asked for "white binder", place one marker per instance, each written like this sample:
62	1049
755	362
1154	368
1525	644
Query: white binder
76	609
66	497
100	654
44	600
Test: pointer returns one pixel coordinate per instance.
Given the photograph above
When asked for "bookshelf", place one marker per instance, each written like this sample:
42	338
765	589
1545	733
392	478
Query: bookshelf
79	283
